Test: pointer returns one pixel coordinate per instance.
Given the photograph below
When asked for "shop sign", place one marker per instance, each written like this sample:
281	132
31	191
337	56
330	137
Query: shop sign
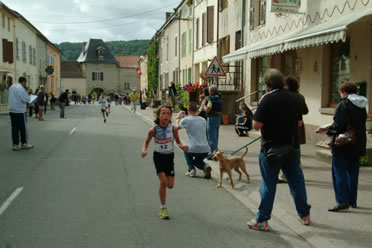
285	6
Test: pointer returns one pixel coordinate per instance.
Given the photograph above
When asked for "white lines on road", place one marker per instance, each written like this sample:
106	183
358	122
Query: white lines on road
72	131
10	199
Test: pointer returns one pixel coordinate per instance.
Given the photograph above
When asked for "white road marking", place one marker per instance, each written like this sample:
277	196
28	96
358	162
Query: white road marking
10	199
72	131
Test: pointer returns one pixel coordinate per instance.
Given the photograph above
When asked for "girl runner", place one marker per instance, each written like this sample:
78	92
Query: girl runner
103	101
164	134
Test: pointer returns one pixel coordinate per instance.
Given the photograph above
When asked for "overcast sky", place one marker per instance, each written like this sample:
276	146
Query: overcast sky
79	20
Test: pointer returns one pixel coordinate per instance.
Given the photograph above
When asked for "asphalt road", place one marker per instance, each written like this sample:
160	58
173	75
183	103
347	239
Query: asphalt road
85	185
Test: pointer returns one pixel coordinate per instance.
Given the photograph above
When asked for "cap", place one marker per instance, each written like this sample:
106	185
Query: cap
42	86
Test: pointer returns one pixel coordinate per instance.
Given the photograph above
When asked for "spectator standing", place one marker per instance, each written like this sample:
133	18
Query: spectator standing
17	100
278	116
292	84
213	109
62	102
346	159
41	101
31	105
196	128
52	101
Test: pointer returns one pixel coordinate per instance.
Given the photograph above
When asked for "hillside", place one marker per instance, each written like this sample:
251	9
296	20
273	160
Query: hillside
71	51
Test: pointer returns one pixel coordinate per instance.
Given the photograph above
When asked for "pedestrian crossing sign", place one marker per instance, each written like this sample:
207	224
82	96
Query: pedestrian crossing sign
215	69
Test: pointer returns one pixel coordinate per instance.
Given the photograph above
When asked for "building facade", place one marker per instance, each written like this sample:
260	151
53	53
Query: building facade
321	50
7	63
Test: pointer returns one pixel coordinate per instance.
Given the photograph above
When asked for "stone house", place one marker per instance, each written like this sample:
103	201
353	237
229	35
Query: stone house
100	71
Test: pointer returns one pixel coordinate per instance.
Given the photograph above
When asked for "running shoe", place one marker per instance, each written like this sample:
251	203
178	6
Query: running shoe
191	173
304	220
207	171
107	114
163	213
261	226
104	121
16	148
27	146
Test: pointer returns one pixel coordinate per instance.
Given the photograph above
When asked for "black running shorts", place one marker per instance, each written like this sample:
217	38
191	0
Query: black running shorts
164	163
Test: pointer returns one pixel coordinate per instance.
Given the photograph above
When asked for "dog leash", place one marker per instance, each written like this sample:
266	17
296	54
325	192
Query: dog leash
247	145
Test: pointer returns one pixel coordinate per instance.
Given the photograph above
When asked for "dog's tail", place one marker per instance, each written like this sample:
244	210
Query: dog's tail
246	151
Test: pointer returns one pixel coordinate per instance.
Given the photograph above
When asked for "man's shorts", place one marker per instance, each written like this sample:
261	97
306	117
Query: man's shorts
103	110
164	163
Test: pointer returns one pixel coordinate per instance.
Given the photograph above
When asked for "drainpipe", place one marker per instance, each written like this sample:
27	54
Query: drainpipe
242	43
192	43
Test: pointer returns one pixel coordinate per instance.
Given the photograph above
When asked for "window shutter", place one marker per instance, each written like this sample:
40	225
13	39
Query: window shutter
5	53
210	25
93	76
204	22
197	34
10	52
101	76
175	45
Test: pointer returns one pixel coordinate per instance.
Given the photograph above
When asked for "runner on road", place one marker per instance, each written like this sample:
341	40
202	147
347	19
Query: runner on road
104	104
134	98
164	134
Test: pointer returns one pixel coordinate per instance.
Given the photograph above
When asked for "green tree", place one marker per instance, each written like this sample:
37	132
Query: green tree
153	65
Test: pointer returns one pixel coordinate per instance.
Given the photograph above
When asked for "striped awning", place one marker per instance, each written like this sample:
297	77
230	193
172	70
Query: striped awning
323	33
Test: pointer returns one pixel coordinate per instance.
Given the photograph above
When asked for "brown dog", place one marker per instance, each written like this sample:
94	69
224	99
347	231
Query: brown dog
228	164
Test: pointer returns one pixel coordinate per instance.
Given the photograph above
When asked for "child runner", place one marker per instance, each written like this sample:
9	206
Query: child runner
103	101
164	135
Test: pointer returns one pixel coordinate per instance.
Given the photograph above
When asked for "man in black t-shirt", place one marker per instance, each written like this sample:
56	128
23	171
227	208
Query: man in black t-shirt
62	102
278	116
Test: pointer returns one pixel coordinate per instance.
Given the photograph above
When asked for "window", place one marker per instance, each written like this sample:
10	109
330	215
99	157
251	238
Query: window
126	86
189	76
100	53
257	18
262	66
190	41
17	49
24	52
183	41
340	68
175	46
34	56
224	49
197	34
167	52
7	51
97	76
210	24
8	23
204	28
30	54
262	13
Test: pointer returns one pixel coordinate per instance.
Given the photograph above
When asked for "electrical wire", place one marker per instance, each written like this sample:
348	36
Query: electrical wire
105	20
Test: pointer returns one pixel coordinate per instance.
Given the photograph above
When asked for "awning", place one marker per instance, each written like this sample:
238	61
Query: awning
324	33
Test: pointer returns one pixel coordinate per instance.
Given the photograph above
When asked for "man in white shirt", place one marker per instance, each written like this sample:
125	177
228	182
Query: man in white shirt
196	128
17	100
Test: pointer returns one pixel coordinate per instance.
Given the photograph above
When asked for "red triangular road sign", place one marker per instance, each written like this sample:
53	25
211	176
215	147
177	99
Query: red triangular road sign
215	69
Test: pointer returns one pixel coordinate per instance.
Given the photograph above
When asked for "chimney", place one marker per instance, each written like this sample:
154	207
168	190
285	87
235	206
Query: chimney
83	47
167	15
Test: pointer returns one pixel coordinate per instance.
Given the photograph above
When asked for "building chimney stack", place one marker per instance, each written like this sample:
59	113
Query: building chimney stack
167	15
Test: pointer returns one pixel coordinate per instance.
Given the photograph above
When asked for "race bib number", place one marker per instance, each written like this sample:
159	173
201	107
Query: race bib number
164	145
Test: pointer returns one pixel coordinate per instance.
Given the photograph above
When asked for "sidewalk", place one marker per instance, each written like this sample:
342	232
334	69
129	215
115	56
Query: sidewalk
343	229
